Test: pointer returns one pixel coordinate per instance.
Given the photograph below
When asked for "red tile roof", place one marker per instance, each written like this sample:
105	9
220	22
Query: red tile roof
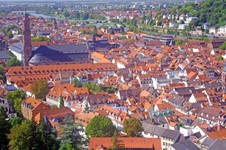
138	143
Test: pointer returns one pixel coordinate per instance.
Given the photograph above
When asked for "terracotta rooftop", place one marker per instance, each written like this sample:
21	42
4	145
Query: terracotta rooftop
136	143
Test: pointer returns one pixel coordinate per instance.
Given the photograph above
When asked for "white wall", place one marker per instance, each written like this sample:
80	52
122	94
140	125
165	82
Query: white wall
120	65
18	56
192	99
51	101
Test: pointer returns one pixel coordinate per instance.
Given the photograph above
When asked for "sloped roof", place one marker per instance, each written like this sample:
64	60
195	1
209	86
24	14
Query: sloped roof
17	47
148	143
185	145
4	55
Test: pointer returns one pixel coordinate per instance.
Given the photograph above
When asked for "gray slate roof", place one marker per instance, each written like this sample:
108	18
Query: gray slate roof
213	85
171	134
224	68
185	145
152	129
3	55
59	49
161	132
17	47
218	145
208	142
60	53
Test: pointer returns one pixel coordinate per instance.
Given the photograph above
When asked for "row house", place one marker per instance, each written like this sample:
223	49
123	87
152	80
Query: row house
30	107
211	115
167	136
117	116
14	73
69	93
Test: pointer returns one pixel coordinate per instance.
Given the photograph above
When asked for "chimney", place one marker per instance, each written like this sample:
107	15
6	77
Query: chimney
218	127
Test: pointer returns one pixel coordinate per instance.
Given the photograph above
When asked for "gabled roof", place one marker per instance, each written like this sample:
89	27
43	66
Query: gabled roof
17	47
127	143
185	145
65	49
218	145
171	134
33	103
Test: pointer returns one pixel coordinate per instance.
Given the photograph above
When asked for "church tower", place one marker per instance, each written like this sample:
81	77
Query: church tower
27	48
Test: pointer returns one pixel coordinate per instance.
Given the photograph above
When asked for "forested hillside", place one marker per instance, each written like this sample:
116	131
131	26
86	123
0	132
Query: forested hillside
211	11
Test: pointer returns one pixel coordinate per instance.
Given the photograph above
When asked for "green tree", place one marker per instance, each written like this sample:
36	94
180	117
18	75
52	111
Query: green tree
95	29
45	139
114	141
40	89
13	62
61	101
53	106
133	127
220	58
1	70
223	46
69	129
66	14
40	38
28	135
94	87
22	136
77	15
180	42
10	53
16	120
100	126
86	109
16	97
77	83
4	130
66	147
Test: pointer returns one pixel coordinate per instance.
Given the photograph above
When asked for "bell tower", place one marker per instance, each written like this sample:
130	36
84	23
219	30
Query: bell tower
27	48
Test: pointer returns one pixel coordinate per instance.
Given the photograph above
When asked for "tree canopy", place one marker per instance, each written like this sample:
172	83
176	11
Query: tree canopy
13	62
4	130
100	126
211	11
223	46
220	58
69	129
40	38
22	136
133	127
16	97
45	138
1	70
61	102
94	87
180	42
16	120
28	135
40	89
66	147
99	88
76	83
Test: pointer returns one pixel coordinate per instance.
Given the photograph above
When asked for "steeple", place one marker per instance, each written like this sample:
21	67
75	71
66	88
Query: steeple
27	47
55	23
